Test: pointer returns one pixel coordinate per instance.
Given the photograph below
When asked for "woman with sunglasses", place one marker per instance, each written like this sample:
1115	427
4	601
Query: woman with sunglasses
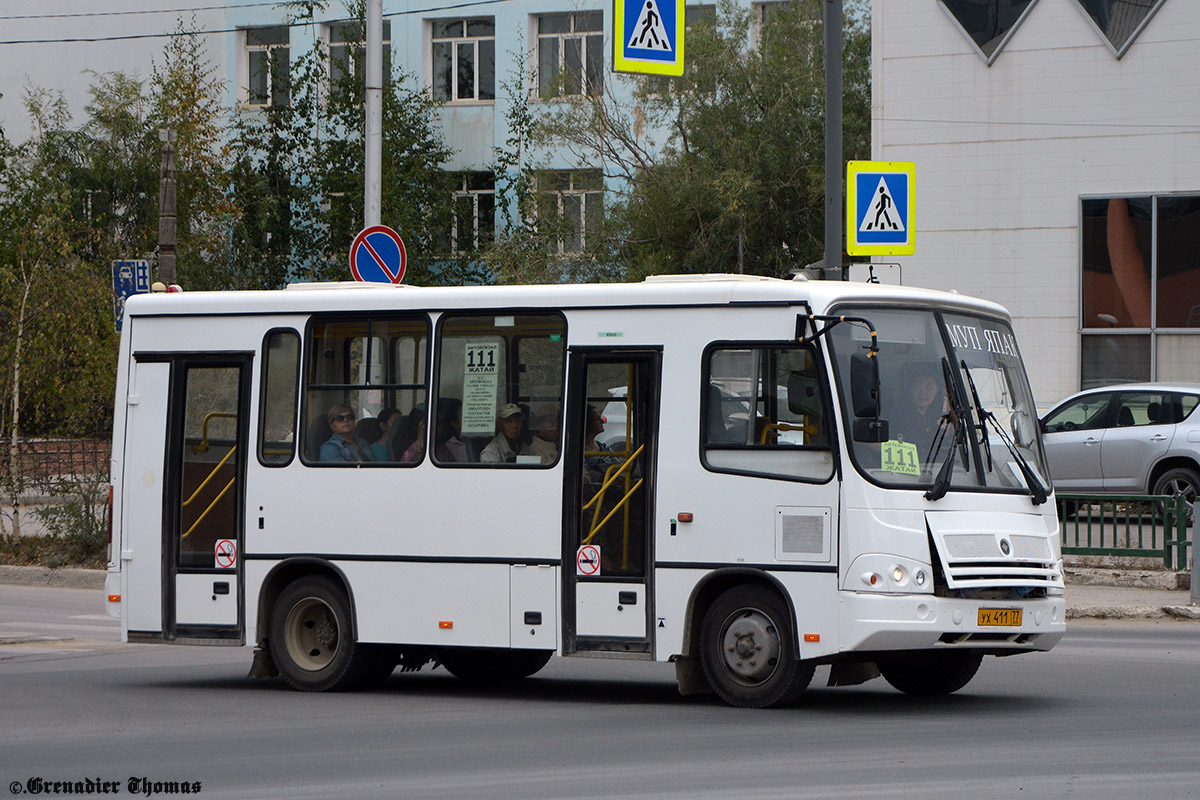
344	445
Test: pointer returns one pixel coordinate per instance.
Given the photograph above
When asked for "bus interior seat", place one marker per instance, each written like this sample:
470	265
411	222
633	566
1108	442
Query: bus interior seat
318	434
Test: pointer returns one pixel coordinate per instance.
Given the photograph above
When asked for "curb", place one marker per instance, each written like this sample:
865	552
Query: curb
62	578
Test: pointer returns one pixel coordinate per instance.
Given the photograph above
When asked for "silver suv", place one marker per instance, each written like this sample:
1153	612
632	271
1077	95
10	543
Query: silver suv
1136	438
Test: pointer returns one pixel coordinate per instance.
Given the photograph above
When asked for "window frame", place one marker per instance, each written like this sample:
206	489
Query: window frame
510	377
275	96
308	387
1150	334
355	58
543	84
559	245
831	444
464	191
454	42
266	397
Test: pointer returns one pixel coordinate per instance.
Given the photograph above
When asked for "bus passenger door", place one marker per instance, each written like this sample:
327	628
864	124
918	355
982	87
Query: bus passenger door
205	487
612	408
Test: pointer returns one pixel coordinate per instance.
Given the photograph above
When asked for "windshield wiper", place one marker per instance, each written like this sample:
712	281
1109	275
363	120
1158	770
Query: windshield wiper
942	484
1036	491
980	415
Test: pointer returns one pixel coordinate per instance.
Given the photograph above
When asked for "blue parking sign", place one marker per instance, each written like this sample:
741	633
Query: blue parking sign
129	278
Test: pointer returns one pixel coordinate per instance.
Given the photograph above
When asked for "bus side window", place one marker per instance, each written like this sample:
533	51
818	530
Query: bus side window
369	365
764	413
277	409
497	367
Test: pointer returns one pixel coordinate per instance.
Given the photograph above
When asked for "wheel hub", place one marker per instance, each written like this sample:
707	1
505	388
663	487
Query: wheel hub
311	634
750	646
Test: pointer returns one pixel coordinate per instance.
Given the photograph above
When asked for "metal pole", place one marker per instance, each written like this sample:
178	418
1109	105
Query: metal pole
373	138
833	136
1195	600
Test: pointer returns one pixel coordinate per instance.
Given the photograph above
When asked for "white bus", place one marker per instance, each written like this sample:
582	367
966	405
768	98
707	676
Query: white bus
766	495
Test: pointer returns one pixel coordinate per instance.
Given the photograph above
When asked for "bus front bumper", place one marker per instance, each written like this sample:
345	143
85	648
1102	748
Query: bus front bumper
882	622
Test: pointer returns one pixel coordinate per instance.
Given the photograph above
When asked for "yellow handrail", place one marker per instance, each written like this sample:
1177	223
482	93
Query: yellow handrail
609	479
199	488
216	500
203	446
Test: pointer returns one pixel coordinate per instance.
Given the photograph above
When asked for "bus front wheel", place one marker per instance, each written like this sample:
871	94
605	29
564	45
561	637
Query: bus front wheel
311	638
748	649
926	673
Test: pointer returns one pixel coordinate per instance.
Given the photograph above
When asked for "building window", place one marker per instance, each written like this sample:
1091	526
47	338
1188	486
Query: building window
267	63
1120	21
1141	288
464	59
347	54
988	24
474	212
570	54
572	203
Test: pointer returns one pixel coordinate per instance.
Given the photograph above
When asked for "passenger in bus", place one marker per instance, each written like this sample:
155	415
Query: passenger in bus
344	445
448	446
542	437
416	451
596	464
510	443
379	446
919	417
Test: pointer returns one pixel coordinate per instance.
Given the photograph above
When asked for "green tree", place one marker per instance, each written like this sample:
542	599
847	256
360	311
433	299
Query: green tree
722	169
299	173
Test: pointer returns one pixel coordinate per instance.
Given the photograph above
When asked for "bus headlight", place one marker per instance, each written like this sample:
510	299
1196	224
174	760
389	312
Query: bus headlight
881	572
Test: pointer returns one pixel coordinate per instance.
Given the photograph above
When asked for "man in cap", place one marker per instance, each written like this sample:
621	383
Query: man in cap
510	440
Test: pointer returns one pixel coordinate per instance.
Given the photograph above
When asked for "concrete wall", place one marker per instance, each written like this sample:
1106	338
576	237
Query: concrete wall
1003	153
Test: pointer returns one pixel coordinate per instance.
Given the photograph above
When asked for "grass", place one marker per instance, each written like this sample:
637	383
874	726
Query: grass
51	551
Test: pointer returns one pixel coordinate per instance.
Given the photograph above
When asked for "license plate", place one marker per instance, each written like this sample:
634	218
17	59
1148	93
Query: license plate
1000	617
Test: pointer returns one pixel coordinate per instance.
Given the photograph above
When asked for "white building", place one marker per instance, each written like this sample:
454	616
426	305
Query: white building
1057	150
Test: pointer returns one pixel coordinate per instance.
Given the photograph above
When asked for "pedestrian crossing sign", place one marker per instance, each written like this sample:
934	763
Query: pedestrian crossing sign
648	36
880	204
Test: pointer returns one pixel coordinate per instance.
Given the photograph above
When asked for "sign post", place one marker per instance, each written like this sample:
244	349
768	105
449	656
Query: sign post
648	36
880	208
378	256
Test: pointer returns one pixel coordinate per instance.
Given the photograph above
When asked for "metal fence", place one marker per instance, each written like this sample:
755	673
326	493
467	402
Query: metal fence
45	461
1147	526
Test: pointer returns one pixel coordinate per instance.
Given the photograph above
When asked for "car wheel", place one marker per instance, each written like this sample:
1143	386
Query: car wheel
1179	482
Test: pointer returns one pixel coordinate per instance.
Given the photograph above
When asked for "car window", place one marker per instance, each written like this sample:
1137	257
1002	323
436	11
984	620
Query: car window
1083	413
1144	408
1184	405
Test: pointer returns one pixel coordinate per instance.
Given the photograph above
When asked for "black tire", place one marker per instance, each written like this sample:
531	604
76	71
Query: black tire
748	649
311	637
489	666
931	673
1179	481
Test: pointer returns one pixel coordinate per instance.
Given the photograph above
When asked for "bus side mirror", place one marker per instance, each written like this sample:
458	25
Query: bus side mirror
864	385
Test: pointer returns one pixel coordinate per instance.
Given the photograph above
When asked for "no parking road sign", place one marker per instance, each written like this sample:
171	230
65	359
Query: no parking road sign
880	205
378	255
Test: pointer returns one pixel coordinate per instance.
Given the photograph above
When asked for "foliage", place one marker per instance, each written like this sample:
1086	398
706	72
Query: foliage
722	169
299	173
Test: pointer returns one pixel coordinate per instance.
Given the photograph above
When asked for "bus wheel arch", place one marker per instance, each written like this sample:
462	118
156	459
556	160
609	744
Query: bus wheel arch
311	633
287	572
759	604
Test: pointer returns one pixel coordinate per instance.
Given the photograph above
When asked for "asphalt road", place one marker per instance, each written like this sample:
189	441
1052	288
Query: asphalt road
1112	712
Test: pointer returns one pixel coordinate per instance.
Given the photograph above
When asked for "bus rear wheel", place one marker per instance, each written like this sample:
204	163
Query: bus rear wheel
311	637
926	673
748	650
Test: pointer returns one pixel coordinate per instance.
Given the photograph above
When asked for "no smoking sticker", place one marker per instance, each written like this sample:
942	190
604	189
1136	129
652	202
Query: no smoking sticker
587	560
226	552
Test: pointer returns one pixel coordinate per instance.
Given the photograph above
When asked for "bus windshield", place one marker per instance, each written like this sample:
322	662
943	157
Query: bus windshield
951	387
